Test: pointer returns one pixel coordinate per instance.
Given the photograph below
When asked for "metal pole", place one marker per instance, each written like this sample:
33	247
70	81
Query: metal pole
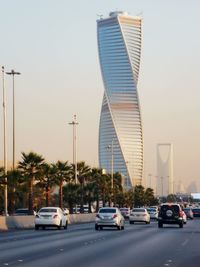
112	159
74	123
5	147
13	73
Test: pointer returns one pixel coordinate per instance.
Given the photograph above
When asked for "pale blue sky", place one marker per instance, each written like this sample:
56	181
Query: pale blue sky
53	44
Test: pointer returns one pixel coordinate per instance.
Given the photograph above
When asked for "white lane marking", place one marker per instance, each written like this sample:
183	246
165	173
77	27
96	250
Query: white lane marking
166	264
6	264
20	260
185	242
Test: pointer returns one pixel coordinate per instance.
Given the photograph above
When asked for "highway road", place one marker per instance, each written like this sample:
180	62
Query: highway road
139	245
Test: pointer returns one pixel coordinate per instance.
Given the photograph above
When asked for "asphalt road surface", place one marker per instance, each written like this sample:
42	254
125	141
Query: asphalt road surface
139	245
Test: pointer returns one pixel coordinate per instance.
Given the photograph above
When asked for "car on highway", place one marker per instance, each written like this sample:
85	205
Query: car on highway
184	217
51	217
189	213
196	212
109	217
23	212
139	215
125	212
153	212
170	213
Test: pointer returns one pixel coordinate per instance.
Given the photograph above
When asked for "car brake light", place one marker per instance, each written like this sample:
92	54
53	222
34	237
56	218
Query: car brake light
181	213
114	216
55	216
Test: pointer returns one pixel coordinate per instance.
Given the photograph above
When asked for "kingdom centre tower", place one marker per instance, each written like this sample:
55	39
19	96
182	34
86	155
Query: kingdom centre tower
120	130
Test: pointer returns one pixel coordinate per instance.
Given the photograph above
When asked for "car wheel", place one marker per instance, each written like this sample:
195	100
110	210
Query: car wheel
122	227
101	227
59	227
160	225
43	227
96	227
181	225
119	227
66	225
36	227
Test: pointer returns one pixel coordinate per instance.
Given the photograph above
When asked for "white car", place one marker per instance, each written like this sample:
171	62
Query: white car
109	217
51	217
139	215
153	212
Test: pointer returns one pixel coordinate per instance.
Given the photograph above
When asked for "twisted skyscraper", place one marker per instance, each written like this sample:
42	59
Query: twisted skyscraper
120	131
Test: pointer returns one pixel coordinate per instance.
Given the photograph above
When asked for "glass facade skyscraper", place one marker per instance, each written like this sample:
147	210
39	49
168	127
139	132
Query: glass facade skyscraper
120	130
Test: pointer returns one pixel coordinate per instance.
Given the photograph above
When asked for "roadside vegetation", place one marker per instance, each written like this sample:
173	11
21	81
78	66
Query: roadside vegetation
35	183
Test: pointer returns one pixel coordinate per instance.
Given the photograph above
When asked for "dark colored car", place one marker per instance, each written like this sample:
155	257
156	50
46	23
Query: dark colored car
23	212
189	213
170	213
196	212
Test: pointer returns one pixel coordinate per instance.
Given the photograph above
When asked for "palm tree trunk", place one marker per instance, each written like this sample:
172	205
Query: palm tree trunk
30	196
47	195
61	194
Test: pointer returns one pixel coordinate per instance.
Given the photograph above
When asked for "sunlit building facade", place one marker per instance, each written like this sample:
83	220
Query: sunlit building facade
120	130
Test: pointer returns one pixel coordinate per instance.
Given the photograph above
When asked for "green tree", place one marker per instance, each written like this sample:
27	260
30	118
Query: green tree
63	174
139	196
31	169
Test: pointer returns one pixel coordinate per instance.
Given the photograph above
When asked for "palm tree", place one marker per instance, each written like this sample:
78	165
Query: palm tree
63	174
83	172
31	169
48	180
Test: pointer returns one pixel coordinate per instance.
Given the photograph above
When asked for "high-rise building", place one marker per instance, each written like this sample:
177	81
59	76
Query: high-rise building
120	130
165	178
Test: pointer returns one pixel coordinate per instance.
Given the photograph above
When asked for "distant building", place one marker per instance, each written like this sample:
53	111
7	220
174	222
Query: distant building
165	179
120	130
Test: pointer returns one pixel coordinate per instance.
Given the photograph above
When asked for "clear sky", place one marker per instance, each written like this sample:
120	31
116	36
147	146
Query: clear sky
53	44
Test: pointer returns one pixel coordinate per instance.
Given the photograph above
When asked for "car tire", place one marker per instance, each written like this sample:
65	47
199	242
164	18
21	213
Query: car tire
181	225
160	225
122	227
43	227
101	227
96	227
59	226
66	225
119	227
36	227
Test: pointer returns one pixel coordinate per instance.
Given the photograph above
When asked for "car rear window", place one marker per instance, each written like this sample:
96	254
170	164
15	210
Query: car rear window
138	210
171	207
48	210
196	210
124	209
107	211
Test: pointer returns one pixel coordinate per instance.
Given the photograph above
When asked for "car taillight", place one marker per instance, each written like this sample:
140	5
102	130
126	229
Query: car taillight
181	213
55	216
114	216
97	216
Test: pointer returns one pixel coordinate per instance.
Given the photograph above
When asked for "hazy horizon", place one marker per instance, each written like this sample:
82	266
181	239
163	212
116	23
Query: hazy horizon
54	46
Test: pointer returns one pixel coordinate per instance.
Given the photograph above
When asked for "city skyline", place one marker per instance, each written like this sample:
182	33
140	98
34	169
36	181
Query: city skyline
60	77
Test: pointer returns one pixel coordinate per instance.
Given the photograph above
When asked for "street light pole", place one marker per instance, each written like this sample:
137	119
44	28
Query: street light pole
74	123
5	146
13	73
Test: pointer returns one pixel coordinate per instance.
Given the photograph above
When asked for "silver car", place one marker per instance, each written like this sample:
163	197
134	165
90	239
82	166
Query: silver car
109	217
139	215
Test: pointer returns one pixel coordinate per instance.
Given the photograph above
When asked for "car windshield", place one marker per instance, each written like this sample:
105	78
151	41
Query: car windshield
48	210
138	210
124	209
107	211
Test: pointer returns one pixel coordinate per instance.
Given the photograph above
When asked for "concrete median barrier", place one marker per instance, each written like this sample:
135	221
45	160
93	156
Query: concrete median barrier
27	222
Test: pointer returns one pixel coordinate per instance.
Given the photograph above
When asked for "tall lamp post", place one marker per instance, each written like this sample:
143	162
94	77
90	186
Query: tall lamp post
13	73
112	162
5	146
74	123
